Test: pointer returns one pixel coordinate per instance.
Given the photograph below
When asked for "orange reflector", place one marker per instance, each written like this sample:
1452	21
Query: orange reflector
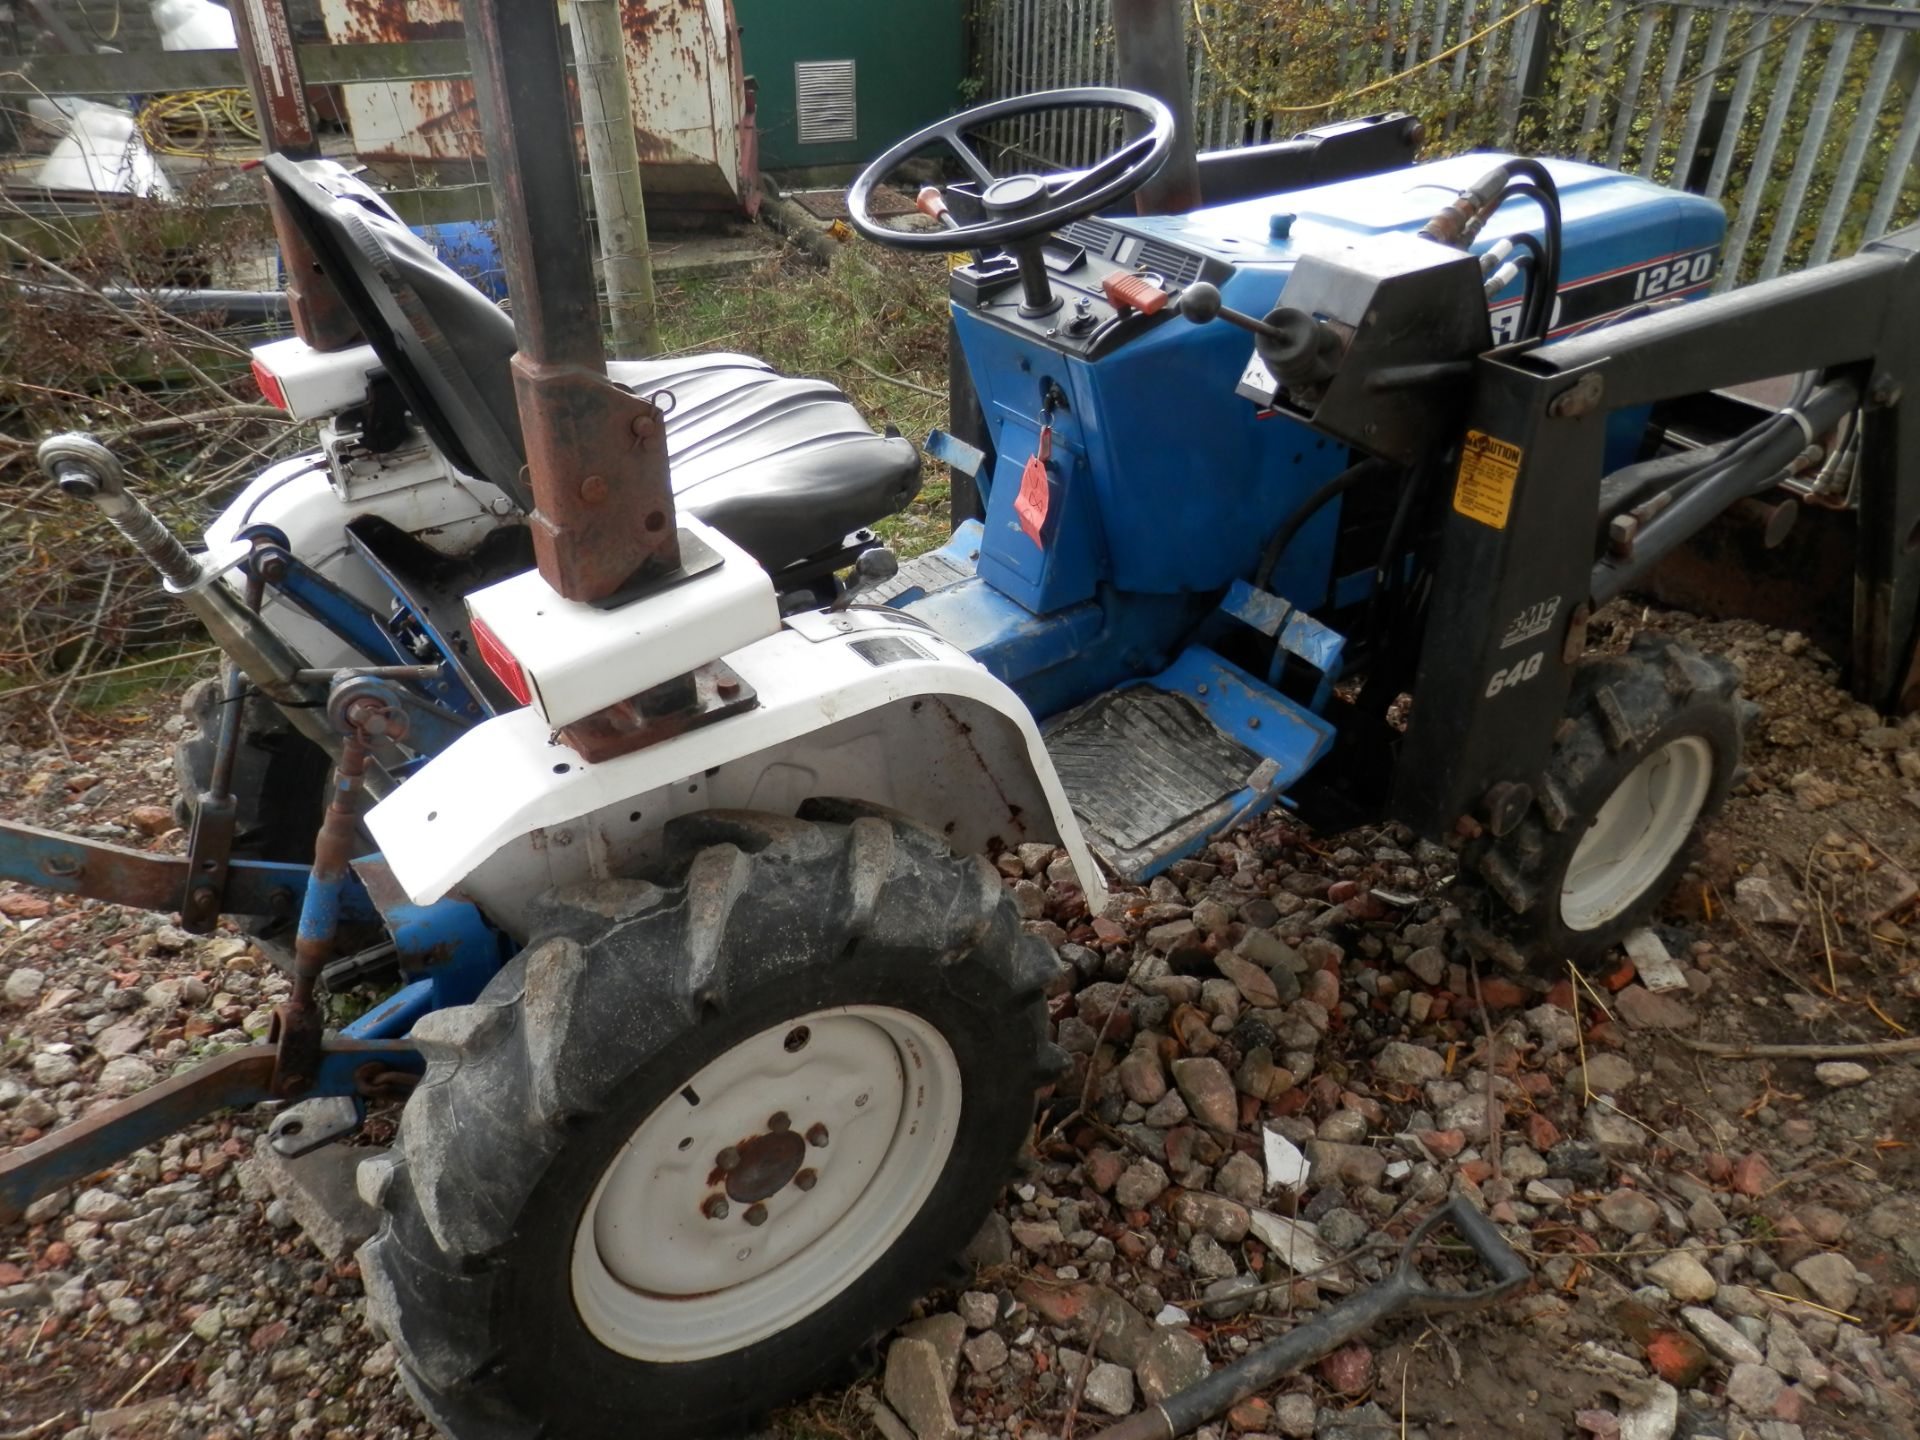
269	384
500	661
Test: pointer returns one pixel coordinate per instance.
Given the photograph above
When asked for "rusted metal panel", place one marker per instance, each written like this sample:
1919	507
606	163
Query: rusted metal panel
691	106
596	453
273	75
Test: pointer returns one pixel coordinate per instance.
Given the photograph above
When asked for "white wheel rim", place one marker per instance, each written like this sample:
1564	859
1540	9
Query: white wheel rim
1638	831
658	1277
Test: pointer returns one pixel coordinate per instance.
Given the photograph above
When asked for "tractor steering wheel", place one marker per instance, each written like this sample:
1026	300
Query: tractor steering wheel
1025	206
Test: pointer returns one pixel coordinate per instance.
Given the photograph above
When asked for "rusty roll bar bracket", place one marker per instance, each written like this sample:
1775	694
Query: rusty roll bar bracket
603	522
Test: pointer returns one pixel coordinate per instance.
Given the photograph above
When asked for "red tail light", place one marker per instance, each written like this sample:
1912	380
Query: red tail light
269	384
500	661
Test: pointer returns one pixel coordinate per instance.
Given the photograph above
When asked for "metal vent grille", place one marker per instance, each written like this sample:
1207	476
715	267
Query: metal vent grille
824	89
1179	267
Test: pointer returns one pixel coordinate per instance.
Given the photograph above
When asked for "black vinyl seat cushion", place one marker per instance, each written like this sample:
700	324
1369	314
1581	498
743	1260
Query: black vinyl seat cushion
784	467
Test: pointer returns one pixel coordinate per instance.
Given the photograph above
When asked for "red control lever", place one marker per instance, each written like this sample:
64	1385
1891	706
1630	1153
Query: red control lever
1134	292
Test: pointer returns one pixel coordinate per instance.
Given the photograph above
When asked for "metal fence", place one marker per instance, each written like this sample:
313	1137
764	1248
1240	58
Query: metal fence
1801	116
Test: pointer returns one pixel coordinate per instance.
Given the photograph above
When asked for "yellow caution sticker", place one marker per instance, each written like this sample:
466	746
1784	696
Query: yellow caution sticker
1489	469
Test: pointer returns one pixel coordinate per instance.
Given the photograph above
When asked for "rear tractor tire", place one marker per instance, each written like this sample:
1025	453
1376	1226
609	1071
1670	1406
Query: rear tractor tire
1651	745
703	1141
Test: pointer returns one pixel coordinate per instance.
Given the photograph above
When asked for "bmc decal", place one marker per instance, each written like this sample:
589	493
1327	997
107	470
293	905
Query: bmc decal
1536	619
1599	297
1515	674
1489	469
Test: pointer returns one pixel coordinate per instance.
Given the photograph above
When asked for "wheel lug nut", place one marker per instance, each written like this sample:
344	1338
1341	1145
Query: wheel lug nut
817	1136
756	1214
807	1179
779	1121
714	1207
728	1159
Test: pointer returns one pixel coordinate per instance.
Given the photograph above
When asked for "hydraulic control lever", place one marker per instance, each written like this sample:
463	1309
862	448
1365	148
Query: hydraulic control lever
1299	349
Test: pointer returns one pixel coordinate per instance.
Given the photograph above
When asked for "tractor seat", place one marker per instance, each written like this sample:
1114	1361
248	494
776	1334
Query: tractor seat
784	467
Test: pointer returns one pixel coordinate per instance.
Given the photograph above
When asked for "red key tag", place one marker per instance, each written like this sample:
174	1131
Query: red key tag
1030	505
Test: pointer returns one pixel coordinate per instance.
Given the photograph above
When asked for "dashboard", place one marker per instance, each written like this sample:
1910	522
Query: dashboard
1079	259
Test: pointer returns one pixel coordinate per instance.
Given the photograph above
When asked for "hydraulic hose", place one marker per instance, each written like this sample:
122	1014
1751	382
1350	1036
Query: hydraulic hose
1311	506
1750	465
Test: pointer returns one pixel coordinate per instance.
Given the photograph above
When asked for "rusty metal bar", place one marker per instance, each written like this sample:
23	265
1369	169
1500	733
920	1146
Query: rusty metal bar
94	870
272	68
603	520
239	1077
96	1140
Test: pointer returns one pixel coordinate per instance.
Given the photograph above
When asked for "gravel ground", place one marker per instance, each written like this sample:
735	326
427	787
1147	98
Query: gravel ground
1283	1057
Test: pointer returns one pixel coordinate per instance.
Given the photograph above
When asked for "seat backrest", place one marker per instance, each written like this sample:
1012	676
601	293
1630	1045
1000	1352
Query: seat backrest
444	344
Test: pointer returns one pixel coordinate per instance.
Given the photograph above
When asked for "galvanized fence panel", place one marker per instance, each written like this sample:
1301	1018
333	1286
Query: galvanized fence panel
1801	116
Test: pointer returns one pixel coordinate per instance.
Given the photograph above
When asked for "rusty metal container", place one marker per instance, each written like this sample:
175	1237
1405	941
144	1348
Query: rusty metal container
693	113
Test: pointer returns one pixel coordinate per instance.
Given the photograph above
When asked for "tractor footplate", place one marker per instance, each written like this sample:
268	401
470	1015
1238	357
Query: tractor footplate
1154	769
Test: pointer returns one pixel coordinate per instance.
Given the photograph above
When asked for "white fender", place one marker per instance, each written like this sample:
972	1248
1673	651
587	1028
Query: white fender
865	704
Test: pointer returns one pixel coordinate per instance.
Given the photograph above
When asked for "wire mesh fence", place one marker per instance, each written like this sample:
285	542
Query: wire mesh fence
1801	116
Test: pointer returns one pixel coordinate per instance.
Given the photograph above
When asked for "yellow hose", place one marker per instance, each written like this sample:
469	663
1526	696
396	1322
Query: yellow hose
207	124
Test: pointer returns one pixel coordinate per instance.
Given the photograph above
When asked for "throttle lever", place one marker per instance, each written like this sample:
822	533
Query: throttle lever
1296	347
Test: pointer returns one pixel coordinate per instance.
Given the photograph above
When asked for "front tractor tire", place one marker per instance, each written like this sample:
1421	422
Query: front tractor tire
704	1141
1650	745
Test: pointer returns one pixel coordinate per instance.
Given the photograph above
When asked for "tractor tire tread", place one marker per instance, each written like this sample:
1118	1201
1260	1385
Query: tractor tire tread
1616	704
598	989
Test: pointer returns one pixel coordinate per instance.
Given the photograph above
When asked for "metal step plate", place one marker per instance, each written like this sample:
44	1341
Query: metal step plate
1143	766
1155	769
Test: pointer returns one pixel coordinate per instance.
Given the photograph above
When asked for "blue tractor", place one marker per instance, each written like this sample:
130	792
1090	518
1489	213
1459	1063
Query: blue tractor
578	699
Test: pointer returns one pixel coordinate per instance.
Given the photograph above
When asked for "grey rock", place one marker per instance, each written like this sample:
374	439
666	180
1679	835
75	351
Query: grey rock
1683	1277
985	1352
916	1387
1605	1073
1790	1354
1404	1064
1209	1092
1721	1338
1354	1164
944	1332
1209	1261
24	985
1654	1415
1642	1009
1170	1362
1612	1133
52	1067
1341	1229
1142	1183
121	1039
1629	1211
126	1076
1170	1110
991	1245
979	1309
1225	1220
1293	1414
1753	1389
1838	1074
1109	1388
1429	963
102	1207
1555	1028
1240	1179
1831	1278
1141	1078
1228	1296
